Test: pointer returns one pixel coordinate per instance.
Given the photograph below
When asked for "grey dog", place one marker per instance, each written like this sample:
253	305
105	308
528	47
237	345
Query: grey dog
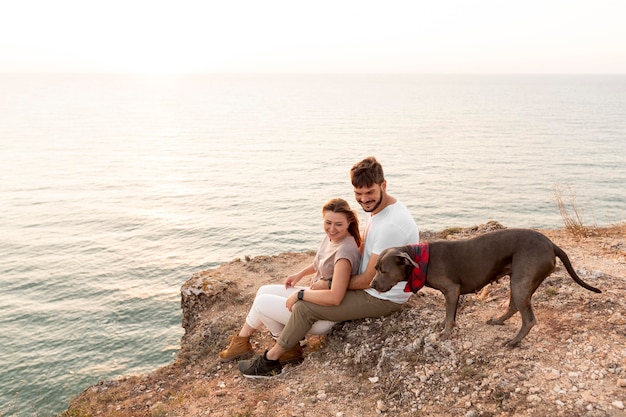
466	266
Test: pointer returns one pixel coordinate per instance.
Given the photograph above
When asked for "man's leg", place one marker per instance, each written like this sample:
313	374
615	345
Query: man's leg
355	305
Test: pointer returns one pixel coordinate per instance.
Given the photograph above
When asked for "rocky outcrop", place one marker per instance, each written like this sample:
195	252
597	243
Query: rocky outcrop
573	362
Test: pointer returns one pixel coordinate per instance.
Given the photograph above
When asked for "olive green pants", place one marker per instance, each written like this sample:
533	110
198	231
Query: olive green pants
355	305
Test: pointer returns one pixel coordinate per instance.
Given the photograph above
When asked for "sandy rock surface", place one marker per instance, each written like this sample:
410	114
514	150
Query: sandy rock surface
572	363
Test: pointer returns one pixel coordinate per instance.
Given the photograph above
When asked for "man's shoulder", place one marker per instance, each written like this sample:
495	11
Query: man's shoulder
397	211
396	228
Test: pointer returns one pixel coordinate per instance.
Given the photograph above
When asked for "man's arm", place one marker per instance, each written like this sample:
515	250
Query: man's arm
362	281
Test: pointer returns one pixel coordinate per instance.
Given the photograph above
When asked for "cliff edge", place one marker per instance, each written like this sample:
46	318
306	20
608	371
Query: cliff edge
572	363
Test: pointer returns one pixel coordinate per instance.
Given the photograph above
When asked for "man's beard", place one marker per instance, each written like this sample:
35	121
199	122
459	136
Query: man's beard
378	203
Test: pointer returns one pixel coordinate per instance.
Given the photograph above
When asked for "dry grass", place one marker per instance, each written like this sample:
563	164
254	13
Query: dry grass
570	212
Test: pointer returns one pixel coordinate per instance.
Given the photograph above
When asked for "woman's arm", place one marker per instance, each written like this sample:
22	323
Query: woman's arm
333	296
292	280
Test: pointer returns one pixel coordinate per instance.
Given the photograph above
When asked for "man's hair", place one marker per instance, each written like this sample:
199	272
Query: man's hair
367	173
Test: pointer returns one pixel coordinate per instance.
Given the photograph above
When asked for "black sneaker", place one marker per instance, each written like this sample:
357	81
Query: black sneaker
260	367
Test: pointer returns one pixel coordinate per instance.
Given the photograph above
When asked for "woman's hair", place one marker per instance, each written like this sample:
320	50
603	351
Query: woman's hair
339	205
367	173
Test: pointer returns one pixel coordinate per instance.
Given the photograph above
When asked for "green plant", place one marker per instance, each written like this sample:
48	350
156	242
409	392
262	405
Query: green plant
552	291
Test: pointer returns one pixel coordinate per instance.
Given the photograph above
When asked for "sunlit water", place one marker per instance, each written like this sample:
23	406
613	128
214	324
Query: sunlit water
115	189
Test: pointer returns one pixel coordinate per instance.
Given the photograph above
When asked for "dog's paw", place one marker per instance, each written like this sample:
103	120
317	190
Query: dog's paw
511	344
495	322
440	325
444	334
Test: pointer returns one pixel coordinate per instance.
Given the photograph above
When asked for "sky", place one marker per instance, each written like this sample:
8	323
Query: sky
339	36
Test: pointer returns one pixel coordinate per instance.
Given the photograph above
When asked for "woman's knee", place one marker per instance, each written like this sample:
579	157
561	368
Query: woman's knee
267	289
263	302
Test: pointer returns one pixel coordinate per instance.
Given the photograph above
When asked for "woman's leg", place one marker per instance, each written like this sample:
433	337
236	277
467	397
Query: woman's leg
239	345
269	309
259	306
321	327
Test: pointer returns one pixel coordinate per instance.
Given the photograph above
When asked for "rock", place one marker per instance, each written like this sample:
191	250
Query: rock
573	358
380	406
617	318
553	374
533	398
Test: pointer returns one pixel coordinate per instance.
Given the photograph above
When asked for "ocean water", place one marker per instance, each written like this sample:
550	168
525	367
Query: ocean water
115	189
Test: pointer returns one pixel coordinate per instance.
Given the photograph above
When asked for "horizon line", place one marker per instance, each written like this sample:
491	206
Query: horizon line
135	73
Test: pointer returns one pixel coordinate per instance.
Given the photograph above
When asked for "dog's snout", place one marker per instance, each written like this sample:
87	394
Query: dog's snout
379	284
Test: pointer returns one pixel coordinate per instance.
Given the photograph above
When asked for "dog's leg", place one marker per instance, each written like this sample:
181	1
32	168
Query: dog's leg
452	294
521	295
507	315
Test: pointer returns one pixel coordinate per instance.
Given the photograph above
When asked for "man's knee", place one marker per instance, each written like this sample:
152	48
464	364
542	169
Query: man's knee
299	308
304	311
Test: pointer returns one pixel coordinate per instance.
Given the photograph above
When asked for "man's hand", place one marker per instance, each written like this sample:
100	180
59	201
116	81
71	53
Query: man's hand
320	284
362	281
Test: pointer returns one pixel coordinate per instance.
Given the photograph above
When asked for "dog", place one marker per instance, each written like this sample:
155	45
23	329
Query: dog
465	266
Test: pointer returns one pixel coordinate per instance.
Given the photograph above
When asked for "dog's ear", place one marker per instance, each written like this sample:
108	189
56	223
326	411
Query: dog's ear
406	259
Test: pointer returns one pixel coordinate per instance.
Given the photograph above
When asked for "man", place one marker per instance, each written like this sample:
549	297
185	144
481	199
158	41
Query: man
389	223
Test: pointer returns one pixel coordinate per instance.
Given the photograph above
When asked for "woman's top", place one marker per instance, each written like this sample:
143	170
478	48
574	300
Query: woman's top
330	252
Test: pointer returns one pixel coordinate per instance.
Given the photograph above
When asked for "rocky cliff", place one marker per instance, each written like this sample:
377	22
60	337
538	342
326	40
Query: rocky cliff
573	362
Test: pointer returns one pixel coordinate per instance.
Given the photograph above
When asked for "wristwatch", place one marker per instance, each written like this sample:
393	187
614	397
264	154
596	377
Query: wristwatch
300	294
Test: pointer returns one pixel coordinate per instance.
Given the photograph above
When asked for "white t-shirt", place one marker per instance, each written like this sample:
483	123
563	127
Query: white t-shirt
393	226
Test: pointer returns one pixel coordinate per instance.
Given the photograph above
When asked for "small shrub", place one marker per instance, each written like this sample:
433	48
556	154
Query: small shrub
573	219
552	291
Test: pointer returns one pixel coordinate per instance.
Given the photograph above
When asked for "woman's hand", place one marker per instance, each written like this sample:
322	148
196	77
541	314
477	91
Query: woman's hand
291	300
292	280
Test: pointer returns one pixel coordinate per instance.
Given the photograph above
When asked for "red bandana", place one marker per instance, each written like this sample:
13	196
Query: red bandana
419	253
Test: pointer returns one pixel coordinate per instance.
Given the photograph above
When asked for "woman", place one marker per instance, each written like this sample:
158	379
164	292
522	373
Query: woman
335	262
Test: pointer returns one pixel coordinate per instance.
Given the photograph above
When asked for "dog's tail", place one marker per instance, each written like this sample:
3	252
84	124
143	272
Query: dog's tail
563	257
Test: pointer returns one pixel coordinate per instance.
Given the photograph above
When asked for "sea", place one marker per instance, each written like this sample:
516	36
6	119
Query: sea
115	189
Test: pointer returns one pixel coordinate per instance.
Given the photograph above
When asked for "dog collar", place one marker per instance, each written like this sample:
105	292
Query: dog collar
420	254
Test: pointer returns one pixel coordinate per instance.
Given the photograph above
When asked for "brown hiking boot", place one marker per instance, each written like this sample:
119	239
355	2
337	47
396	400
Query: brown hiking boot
239	347
293	355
